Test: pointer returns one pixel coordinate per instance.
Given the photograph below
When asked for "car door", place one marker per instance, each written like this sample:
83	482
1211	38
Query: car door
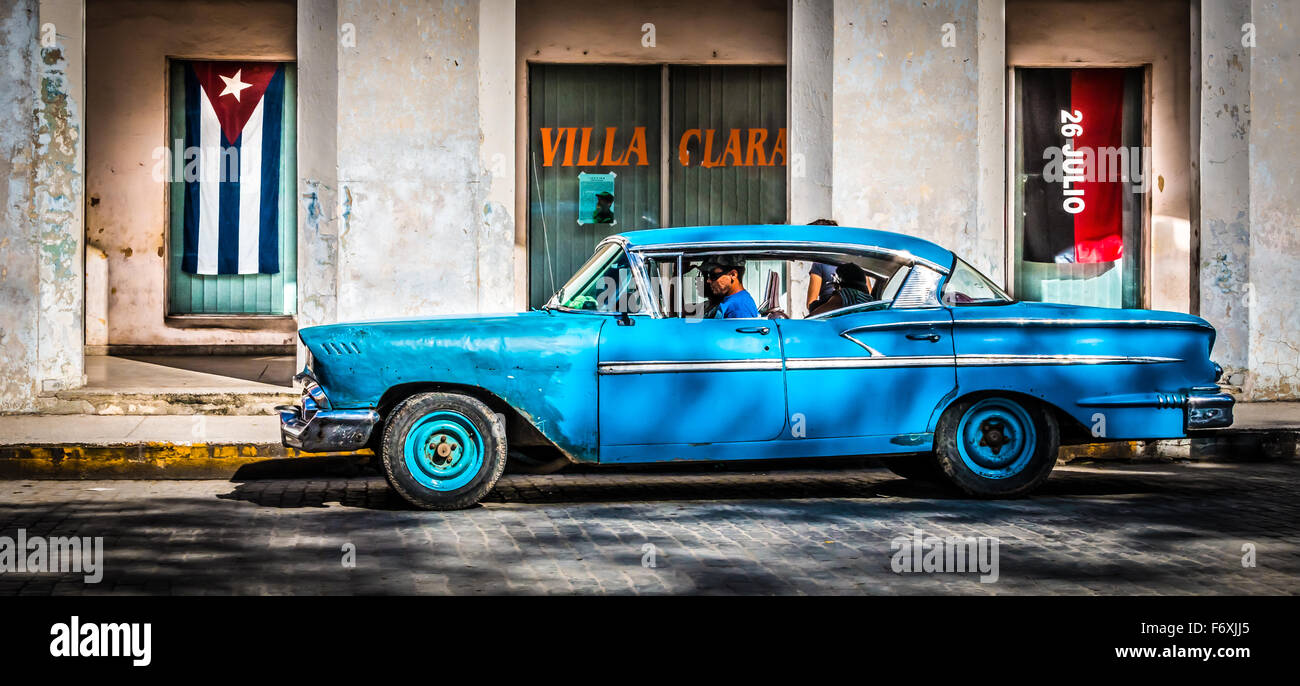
690	381
874	373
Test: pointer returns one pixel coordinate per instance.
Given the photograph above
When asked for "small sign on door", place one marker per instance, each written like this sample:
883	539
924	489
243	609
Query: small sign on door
596	198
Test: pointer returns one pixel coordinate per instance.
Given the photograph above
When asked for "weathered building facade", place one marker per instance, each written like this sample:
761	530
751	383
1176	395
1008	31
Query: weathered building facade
437	153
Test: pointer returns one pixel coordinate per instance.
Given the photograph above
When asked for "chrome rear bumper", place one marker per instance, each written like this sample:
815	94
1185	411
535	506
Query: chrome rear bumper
1208	408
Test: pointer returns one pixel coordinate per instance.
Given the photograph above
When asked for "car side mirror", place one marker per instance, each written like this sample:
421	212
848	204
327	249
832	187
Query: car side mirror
624	319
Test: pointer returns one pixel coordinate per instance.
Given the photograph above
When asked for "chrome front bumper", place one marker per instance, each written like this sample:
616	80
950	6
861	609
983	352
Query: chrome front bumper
315	427
1208	407
326	431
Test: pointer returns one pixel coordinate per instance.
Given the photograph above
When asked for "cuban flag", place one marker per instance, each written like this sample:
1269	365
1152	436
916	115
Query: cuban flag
234	119
1095	233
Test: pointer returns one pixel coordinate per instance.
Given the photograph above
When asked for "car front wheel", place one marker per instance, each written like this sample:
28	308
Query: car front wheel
997	447
443	451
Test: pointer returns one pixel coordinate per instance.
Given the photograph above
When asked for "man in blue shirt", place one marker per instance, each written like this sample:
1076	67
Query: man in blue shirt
722	276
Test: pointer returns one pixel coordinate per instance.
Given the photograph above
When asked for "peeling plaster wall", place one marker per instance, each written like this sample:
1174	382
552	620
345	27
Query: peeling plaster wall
812	42
127	46
19	243
57	195
496	105
906	123
991	144
319	49
1275	202
1130	33
1225	182
409	174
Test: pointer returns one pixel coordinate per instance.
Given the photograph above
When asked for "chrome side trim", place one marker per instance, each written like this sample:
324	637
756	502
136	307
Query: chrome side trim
883	361
874	359
884	326
868	362
664	366
1022	360
870	350
1021	321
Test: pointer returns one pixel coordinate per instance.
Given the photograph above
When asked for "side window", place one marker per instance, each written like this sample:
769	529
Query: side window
779	281
969	287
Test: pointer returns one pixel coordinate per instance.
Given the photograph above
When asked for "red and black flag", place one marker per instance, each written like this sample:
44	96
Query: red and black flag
1074	215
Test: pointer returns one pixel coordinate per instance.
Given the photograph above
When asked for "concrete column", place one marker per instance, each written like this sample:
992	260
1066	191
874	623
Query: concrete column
1274	346
990	254
58	206
406	158
497	253
323	40
19	271
409	162
906	121
1224	164
809	72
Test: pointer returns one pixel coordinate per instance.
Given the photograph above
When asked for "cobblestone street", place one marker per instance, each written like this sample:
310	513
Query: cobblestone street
1128	529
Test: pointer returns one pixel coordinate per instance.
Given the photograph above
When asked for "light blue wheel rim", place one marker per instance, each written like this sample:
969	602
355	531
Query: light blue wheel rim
447	468
996	438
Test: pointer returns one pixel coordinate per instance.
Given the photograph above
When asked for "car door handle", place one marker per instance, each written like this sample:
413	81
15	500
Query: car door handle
760	330
932	337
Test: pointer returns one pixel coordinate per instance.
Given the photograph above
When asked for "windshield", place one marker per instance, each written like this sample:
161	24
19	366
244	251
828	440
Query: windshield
604	284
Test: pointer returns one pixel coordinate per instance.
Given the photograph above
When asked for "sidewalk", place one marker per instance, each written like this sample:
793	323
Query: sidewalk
178	384
208	446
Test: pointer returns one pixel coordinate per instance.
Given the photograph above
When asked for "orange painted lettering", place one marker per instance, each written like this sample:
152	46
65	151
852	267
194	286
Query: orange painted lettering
683	153
637	147
755	153
568	146
608	160
733	149
549	148
583	160
708	151
779	148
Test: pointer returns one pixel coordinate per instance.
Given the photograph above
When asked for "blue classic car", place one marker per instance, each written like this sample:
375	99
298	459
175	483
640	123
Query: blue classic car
916	357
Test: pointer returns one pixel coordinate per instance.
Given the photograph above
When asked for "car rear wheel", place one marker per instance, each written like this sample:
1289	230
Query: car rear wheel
996	447
443	451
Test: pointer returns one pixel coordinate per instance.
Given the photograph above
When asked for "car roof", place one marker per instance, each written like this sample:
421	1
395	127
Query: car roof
761	233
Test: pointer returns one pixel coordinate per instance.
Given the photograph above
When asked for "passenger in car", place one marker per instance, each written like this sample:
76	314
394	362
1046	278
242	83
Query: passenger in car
850	289
722	276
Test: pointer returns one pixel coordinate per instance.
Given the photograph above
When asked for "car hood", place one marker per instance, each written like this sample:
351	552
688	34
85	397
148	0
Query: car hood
542	363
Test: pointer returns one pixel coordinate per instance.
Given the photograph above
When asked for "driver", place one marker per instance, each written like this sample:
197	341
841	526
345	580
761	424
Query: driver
722	276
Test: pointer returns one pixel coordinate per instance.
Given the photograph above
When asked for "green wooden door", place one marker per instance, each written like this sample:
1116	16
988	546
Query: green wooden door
241	294
591	128
728	158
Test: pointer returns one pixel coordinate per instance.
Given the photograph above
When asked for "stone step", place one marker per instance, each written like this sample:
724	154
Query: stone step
170	402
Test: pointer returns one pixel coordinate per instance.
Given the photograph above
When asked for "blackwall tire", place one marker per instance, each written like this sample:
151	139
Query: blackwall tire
997	446
443	451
